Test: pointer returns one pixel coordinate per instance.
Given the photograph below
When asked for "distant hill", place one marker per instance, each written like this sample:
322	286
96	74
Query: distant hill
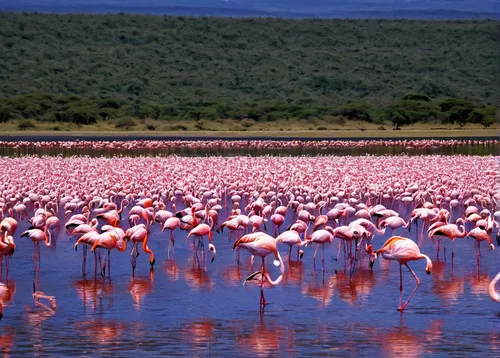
83	67
390	9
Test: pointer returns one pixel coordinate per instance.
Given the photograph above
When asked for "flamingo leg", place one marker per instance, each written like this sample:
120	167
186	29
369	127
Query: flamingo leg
478	252
84	263
323	257
400	285
95	265
314	257
290	255
38	255
109	264
415	290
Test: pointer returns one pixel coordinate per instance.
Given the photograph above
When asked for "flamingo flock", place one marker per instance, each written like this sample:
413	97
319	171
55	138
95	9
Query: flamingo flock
197	146
108	204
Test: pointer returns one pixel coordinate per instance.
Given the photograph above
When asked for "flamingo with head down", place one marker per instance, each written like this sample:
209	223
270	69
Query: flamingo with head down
402	250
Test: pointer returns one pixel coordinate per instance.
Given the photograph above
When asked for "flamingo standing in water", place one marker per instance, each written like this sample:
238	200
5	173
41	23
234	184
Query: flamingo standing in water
495	296
110	239
290	238
402	250
479	235
261	244
320	237
452	232
138	234
200	231
171	224
37	236
7	248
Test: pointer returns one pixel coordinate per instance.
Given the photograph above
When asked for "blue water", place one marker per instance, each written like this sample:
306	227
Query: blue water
409	9
185	309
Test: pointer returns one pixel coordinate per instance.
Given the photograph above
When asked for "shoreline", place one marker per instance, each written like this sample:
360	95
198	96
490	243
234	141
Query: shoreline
356	135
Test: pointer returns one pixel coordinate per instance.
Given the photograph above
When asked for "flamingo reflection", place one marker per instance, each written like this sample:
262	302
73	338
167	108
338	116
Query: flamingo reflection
7	340
101	331
404	342
448	287
199	332
352	288
294	274
92	291
139	287
267	339
172	269
323	292
197	277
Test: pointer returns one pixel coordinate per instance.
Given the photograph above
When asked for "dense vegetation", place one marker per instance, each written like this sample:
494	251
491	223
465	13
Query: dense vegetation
83	68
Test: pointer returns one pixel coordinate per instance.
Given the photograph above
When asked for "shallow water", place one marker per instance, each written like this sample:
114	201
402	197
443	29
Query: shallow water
183	309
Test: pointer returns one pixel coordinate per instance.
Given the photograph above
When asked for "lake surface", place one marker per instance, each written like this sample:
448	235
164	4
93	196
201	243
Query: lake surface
185	309
194	307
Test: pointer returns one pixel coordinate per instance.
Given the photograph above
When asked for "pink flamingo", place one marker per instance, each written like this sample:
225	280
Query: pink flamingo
261	244
37	236
138	234
171	224
200	231
401	250
290	238
320	237
109	240
452	232
480	235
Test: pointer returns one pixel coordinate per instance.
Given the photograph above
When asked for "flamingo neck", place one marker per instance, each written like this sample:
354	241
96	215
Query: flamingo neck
268	278
495	296
428	267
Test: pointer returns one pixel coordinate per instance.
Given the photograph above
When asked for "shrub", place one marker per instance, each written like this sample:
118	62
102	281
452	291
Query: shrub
404	112
360	111
125	123
25	124
82	114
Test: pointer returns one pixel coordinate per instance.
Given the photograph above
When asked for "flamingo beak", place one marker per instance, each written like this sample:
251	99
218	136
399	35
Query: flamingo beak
301	254
428	272
152	263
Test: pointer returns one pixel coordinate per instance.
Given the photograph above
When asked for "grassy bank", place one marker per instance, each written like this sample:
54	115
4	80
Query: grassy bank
276	129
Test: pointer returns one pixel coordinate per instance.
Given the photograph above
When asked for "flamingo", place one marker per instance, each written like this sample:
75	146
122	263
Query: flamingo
109	240
402	250
261	244
7	247
320	221
495	296
452	232
480	235
37	235
138	234
200	231
89	236
171	224
290	238
320	237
